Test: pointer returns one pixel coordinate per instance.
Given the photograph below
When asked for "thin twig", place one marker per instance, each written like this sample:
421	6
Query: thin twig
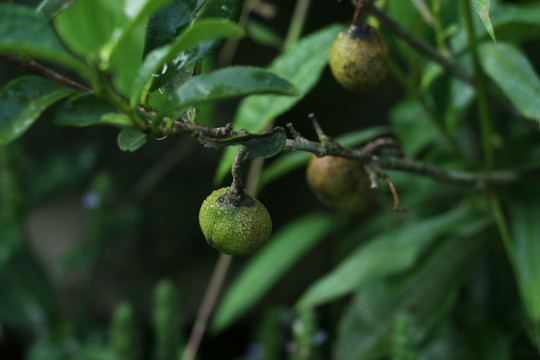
411	166
210	297
44	71
216	136
383	175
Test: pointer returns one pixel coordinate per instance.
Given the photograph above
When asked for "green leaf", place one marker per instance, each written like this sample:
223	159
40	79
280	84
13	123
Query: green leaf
23	100
122	332
131	139
512	23
25	32
87	110
50	8
262	34
226	83
413	126
509	15
26	290
482	8
288	162
261	145
424	296
373	260
166	321
270	264
302	65
510	69
524	215
164	26
201	31
137	13
95	28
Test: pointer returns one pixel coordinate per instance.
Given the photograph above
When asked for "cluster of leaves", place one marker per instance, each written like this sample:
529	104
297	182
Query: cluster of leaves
431	285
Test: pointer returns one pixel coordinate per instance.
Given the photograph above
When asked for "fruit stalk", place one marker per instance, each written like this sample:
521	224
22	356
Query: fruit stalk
237	186
358	17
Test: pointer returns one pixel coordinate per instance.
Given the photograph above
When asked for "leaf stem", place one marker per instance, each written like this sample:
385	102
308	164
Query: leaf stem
502	225
479	79
297	24
108	93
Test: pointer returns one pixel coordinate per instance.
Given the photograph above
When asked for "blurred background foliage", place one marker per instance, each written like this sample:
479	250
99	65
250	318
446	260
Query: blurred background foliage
101	255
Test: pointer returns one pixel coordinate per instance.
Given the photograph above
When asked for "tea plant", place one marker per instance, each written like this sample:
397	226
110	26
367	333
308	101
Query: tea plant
441	262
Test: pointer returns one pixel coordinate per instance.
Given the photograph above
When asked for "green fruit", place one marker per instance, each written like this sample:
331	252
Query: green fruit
341	183
234	227
359	58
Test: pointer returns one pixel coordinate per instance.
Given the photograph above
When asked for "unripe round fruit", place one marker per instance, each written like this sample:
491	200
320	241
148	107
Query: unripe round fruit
341	183
234	229
359	58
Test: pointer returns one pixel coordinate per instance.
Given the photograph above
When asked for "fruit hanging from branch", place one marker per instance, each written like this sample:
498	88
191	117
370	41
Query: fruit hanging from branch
341	183
359	56
234	225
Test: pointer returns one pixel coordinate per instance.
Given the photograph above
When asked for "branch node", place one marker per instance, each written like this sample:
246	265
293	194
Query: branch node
372	176
296	135
376	145
323	138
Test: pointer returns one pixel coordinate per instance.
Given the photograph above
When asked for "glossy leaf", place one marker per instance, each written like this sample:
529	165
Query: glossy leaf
227	83
510	69
87	110
167	24
201	31
94	28
131	139
302	65
482	8
270	264
288	162
137	13
372	260
25	32
178	17
23	100
365	329
50	8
